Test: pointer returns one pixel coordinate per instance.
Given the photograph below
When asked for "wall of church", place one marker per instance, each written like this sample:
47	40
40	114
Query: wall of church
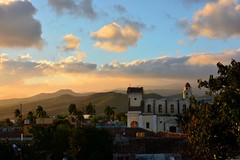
172	107
149	106
149	122
135	99
161	106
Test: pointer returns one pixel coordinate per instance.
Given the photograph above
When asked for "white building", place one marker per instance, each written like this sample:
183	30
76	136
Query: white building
156	114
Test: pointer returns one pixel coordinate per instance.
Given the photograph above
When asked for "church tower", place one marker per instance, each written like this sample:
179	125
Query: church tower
135	105
187	91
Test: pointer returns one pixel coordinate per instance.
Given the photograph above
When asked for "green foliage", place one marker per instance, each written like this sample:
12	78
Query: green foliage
109	112
60	142
7	123
122	117
72	109
17	113
41	113
42	136
214	129
90	143
31	117
90	109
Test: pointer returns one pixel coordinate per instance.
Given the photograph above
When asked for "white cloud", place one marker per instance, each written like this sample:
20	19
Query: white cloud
215	20
18	27
115	38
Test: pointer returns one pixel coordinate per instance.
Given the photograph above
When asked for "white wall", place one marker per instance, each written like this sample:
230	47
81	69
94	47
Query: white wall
135	99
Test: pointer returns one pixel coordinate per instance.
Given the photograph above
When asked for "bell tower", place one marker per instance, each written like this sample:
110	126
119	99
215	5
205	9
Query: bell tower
187	91
135	105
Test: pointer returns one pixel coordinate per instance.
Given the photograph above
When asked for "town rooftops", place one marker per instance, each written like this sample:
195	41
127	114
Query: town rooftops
135	90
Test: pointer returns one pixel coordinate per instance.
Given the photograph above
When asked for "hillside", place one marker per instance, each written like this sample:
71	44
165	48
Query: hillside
58	102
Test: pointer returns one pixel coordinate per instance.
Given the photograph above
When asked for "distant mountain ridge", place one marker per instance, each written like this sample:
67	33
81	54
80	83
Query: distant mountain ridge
57	102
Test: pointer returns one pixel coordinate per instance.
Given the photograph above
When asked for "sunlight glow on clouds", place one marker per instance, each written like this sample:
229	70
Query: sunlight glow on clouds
73	72
115	38
71	42
215	20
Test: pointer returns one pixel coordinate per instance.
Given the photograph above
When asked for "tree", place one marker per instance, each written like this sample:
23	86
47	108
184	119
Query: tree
109	112
40	113
79	117
8	123
17	113
31	117
89	143
90	109
61	119
122	117
214	129
72	109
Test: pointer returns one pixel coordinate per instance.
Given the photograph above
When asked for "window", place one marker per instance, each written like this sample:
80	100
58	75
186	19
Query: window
159	108
172	108
147	125
184	108
149	108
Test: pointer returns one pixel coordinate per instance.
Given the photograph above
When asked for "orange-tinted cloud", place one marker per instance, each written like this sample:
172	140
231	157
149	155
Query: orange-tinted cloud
73	73
218	19
71	42
115	38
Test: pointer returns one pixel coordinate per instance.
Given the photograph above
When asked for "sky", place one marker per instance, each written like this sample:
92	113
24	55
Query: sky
104	45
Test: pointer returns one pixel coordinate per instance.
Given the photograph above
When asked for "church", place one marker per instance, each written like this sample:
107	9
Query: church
156	114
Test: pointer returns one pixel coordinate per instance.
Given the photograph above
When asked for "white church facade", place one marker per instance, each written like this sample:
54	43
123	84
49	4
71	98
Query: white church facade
156	114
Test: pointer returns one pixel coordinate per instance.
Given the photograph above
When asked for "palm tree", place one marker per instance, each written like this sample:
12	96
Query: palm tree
17	113
90	109
109	112
31	117
40	113
72	109
61	119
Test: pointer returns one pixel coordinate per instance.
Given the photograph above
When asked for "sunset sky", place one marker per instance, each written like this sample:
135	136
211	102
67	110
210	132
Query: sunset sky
103	45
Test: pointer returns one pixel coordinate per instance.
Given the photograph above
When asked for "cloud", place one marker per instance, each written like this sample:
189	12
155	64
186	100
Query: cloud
215	20
18	27
212	59
71	42
72	72
197	1
21	68
188	67
119	8
115	38
81	8
181	42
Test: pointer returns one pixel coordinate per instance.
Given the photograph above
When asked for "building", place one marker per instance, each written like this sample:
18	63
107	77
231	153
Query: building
156	114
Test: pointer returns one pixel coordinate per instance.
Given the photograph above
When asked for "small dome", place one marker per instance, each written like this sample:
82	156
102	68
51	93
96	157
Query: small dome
187	85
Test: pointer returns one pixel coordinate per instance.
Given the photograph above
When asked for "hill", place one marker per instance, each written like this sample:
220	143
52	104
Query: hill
58	102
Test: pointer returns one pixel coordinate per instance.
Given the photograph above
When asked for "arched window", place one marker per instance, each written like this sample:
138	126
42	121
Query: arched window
172	108
160	108
149	108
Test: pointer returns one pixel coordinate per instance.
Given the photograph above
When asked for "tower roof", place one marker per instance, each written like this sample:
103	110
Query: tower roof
187	85
135	90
